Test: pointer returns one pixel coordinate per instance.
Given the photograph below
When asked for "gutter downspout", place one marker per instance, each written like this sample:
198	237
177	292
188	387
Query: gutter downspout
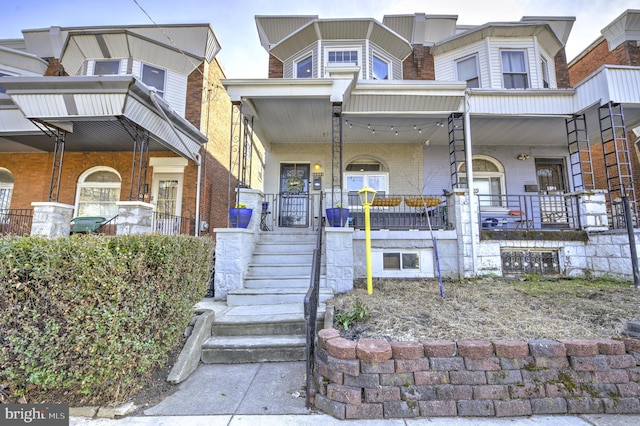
196	157
470	187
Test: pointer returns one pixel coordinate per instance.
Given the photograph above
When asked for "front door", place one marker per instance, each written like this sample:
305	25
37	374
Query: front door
294	195
551	185
167	196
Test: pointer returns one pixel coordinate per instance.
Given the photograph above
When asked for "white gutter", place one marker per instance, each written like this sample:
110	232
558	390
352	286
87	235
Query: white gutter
470	187
152	96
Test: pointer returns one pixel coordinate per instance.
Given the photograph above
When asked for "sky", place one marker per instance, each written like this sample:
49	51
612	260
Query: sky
233	21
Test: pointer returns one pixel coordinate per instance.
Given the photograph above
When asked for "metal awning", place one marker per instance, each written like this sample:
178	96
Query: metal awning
95	112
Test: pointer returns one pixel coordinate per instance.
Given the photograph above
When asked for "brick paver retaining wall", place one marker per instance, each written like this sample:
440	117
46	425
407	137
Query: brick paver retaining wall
374	378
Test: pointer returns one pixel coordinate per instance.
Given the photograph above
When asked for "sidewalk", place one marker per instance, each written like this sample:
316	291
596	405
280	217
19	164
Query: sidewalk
272	394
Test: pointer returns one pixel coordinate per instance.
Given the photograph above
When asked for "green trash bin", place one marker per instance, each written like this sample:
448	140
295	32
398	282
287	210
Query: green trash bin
86	224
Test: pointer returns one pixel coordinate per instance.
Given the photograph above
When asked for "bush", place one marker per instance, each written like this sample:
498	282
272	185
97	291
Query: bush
86	319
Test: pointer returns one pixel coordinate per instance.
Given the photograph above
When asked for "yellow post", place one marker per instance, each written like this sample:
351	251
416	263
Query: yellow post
367	195
367	232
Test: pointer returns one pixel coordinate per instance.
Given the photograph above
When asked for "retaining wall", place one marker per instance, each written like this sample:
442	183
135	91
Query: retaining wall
375	379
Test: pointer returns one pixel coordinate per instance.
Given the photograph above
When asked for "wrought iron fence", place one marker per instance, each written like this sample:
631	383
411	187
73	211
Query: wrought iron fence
311	301
616	213
167	224
16	222
528	212
289	210
401	212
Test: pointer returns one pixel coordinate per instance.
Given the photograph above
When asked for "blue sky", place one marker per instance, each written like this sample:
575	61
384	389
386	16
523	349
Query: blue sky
234	24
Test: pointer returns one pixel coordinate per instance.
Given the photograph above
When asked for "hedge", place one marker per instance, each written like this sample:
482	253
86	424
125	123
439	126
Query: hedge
87	319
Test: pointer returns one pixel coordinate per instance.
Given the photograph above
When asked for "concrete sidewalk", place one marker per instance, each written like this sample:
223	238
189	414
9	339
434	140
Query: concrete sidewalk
272	394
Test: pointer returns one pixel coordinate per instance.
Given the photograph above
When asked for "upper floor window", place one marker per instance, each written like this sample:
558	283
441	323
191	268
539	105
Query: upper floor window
98	192
544	69
468	71
106	67
304	67
6	188
346	57
154	77
514	69
380	69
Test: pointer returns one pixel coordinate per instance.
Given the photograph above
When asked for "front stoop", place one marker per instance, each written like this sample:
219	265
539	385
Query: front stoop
264	320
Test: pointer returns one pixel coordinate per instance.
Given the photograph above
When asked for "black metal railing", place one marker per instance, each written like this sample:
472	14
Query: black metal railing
167	224
109	227
616	214
16	222
401	212
528	212
311	301
289	210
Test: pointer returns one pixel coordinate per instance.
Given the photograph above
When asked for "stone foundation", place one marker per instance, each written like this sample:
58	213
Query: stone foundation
375	379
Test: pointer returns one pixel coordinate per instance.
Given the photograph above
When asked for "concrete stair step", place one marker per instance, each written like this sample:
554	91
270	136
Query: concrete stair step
287	237
281	282
246	349
274	327
268	270
287	247
272	296
281	258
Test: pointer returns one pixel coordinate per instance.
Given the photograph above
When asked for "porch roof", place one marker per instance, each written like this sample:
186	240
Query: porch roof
95	113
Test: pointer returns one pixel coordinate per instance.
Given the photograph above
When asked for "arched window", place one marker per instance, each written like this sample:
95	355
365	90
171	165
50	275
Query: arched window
488	180
6	188
363	172
98	191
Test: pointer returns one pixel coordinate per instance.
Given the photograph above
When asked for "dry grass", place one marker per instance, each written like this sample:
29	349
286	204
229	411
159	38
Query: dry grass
405	310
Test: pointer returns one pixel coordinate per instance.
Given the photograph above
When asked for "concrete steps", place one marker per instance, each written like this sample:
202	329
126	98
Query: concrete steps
265	318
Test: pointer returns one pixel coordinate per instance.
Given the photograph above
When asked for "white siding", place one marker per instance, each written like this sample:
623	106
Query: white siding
289	64
347	45
551	66
445	68
396	66
526	44
175	92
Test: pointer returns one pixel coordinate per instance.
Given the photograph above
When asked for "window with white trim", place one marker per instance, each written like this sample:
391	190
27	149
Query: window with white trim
514	69
6	188
154	77
488	181
400	261
360	173
108	67
304	67
380	68
544	70
467	70
343	57
98	192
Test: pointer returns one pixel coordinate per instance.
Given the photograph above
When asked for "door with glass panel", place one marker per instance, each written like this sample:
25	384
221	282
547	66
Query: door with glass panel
294	195
167	196
551	184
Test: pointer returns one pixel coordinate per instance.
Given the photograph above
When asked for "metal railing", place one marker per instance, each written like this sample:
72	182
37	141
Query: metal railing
109	227
311	301
528	212
288	210
616	214
167	224
401	212
16	222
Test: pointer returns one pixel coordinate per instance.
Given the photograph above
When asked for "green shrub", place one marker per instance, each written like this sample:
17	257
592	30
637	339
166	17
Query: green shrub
345	319
86	319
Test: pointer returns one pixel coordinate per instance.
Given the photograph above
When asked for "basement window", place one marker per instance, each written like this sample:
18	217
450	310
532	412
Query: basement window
400	261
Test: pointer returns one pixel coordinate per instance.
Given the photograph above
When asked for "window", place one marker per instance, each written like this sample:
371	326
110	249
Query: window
2	89
304	67
468	71
345	57
400	261
154	77
514	70
380	69
544	69
488	181
98	191
361	173
6	188
106	68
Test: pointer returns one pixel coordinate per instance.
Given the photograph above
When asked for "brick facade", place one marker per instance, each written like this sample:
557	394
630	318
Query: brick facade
478	378
562	70
276	67
419	65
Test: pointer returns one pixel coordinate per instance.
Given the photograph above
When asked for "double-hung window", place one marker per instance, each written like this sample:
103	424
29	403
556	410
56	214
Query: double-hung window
467	69
154	77
514	69
544	69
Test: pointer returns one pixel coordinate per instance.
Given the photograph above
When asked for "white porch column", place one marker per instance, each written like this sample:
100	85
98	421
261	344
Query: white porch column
592	210
134	217
51	219
339	255
464	220
234	247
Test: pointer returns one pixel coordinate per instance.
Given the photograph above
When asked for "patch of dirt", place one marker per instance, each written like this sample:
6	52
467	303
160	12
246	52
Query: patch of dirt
405	310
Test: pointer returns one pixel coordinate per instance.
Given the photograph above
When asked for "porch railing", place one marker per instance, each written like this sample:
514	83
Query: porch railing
167	224
528	212
109	227
311	301
16	222
300	210
617	217
401	212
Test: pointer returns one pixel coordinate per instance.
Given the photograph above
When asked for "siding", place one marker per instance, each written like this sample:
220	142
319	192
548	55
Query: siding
175	92
527	44
445	63
289	64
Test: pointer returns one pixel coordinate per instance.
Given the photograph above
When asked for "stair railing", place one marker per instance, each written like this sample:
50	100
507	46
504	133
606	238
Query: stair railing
311	300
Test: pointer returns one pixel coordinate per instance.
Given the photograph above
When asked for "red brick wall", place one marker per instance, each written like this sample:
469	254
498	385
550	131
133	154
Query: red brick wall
562	70
419	64
627	53
276	67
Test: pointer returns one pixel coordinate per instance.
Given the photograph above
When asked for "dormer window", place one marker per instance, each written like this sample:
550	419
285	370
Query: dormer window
343	57
467	69
514	69
544	70
380	68
154	77
304	67
110	67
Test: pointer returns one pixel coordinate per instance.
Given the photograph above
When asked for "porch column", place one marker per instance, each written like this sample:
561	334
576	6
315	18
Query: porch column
234	248
134	217
339	255
592	210
51	219
464	220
